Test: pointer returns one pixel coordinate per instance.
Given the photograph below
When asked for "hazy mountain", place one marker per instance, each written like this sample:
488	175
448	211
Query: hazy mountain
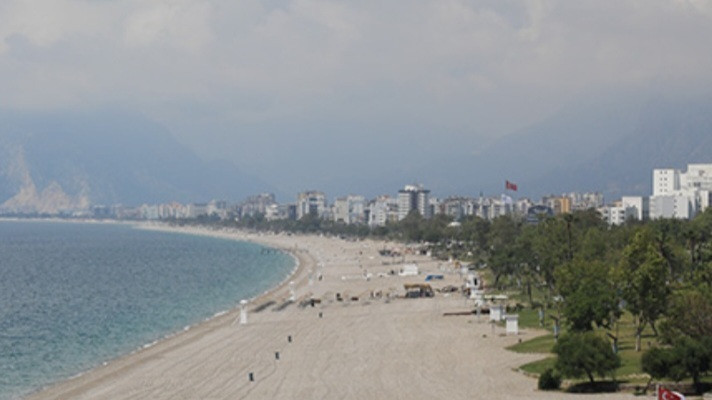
578	133
667	135
50	161
599	145
59	160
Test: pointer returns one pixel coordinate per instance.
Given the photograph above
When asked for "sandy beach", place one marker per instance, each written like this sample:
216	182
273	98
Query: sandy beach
371	344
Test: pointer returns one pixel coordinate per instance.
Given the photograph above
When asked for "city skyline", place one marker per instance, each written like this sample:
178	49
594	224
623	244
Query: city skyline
676	194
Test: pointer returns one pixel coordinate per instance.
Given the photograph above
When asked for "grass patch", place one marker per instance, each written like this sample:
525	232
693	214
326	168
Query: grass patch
529	318
630	368
538	367
541	344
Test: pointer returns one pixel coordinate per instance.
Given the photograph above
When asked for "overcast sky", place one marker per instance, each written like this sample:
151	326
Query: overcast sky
234	79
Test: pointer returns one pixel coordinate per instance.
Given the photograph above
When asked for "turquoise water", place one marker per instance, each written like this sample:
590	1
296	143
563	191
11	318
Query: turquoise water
75	295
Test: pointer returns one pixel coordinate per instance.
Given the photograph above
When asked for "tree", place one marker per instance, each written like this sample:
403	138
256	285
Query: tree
688	358
698	234
527	272
667	235
656	362
434	229
475	232
585	353
692	358
412	226
643	278
689	314
589	295
503	257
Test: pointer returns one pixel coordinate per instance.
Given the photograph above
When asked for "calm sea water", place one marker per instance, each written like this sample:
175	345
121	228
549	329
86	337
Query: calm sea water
75	295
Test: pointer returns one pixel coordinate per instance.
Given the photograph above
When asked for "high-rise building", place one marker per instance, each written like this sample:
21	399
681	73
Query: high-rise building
414	197
560	204
678	194
257	204
665	181
311	202
637	206
350	209
382	210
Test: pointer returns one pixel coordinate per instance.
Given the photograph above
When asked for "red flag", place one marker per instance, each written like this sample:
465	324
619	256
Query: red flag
667	394
510	186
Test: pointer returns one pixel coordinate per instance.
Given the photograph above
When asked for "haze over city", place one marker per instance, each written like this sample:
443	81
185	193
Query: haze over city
314	199
365	97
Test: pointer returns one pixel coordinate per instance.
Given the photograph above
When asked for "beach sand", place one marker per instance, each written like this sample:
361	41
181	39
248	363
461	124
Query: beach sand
364	347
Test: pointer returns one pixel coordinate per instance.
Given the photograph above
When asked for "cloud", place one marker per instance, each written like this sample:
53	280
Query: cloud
180	24
470	69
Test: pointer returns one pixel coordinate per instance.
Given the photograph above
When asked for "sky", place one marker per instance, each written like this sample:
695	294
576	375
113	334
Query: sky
304	93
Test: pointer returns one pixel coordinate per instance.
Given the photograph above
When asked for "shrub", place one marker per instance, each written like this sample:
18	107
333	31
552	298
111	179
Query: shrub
549	380
656	362
585	354
687	358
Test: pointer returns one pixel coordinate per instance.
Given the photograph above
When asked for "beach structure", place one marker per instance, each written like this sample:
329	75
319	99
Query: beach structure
243	312
512	324
474	286
409	270
497	312
416	290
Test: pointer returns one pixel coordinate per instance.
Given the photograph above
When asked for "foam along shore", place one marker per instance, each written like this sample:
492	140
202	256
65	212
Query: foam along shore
358	339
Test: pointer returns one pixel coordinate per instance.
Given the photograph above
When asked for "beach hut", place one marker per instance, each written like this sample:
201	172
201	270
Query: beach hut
512	324
409	270
497	312
474	286
416	290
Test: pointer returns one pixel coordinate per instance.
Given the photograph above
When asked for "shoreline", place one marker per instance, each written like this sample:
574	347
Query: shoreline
105	367
234	235
362	339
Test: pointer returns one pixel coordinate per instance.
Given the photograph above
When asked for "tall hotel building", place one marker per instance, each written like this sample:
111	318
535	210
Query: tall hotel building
414	197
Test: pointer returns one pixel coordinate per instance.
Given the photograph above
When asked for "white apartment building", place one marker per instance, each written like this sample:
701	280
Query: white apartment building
587	200
195	210
454	207
681	194
311	202
676	194
678	205
490	208
217	207
149	211
637	207
257	204
382	210
665	181
617	213
414	197
350	209
522	206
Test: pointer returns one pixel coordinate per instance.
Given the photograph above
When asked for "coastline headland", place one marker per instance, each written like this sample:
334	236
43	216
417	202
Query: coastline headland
338	327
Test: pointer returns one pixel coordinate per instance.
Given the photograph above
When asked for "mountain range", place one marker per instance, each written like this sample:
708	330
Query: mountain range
607	145
64	160
50	161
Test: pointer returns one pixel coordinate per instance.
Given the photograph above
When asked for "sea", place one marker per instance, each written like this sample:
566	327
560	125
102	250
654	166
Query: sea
76	295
